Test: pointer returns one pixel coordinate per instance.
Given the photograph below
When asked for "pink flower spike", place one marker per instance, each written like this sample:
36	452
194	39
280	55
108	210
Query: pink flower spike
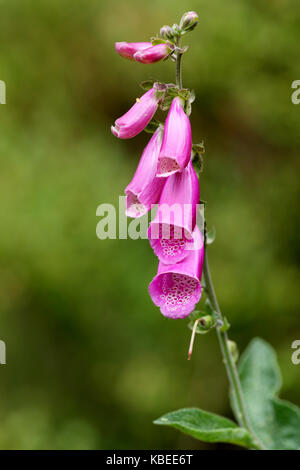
152	54
176	147
176	288
128	49
145	188
170	233
138	116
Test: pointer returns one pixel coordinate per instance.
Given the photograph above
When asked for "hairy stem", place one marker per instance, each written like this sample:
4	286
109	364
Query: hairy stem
230	366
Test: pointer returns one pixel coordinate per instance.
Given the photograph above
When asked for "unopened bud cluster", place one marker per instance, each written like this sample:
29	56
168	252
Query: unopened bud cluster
187	23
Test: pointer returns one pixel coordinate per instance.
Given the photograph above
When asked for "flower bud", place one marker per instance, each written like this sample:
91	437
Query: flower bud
188	21
139	115
206	322
153	54
128	49
176	29
166	32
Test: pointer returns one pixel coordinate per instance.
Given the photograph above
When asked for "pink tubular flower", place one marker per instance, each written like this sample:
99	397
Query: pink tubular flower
128	49
139	115
176	288
176	147
145	188
153	54
170	233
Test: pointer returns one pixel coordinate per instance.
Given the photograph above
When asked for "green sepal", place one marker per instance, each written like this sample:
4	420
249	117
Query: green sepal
147	84
205	324
198	165
197	154
156	40
198	148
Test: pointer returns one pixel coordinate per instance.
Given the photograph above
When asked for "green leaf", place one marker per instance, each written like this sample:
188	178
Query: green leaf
205	426
275	422
147	84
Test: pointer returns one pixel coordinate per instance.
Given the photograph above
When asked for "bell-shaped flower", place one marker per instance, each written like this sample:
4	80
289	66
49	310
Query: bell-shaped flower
176	147
153	54
170	233
176	288
139	115
145	188
128	49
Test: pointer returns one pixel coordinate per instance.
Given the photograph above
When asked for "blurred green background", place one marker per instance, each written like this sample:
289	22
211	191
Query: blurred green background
90	360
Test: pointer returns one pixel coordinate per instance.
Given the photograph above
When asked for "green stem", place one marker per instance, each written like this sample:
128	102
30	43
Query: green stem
230	366
178	65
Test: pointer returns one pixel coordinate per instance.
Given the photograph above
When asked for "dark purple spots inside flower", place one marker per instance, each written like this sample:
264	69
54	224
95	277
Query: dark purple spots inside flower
176	294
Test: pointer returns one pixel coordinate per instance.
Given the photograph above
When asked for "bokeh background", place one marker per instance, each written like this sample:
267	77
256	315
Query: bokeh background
90	361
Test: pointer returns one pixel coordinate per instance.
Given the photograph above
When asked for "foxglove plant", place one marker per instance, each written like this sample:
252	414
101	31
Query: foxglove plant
168	172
